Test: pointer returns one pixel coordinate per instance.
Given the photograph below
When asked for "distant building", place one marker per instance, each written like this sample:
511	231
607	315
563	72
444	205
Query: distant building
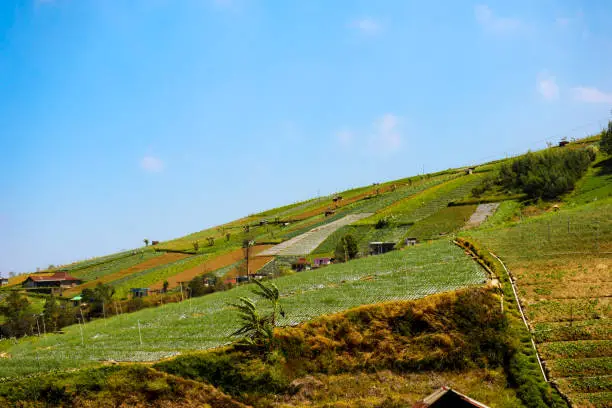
139	292
377	248
563	143
300	265
59	280
446	397
411	241
321	262
470	170
4	281
329	212
230	281
154	242
337	198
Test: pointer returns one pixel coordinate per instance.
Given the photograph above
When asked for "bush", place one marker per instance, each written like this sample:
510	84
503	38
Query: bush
606	139
346	249
546	175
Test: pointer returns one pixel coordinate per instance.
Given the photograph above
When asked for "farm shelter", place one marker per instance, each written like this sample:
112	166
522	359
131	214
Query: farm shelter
377	248
446	397
139	292
58	280
321	262
300	265
563	143
76	300
411	241
4	281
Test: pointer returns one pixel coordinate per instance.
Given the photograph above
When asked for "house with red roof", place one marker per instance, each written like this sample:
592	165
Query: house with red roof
59	280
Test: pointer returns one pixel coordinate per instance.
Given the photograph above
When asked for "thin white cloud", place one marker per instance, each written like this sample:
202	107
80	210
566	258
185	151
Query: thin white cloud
488	19
387	136
152	164
591	95
366	25
547	87
344	137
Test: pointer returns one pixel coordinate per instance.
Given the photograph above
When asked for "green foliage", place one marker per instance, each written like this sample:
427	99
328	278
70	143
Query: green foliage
18	320
606	139
258	328
346	249
98	299
546	174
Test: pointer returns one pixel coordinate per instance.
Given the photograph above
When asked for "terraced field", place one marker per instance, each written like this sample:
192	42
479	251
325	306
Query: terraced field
206	322
562	263
305	243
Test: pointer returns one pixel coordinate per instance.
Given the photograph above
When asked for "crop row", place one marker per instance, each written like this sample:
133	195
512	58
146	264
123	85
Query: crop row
106	268
576	349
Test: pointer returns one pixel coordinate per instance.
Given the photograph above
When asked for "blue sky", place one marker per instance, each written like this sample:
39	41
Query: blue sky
121	120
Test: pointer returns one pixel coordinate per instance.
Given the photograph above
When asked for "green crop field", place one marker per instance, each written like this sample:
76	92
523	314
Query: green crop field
562	263
116	264
443	222
206	322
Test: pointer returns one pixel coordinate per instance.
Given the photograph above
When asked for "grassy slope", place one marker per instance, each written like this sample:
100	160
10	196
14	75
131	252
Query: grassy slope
206	321
562	264
387	355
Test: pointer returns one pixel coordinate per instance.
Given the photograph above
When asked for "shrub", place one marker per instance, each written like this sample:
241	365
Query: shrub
606	139
346	249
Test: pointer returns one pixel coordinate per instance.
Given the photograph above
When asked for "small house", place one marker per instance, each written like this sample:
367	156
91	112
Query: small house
300	265
139	292
411	241
76	300
154	242
337	198
563	143
242	279
377	248
318	262
329	212
470	170
59	280
230	281
446	397
4	281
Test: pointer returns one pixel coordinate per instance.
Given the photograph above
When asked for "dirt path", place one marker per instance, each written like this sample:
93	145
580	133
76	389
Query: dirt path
210	265
483	211
305	243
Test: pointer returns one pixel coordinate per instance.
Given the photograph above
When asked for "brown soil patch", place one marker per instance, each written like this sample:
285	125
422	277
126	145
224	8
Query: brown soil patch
149	263
210	265
255	264
565	269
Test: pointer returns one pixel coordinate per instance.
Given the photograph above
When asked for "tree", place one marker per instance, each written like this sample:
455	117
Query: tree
146	241
257	330
51	314
98	298
165	286
196	245
18	316
346	249
606	139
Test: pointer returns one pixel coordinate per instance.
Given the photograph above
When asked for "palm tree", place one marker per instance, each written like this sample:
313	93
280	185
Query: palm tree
272	295
258	329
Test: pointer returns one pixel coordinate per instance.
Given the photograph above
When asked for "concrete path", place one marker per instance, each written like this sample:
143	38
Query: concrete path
307	242
483	211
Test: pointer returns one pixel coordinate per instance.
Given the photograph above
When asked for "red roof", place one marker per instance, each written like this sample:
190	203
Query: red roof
57	276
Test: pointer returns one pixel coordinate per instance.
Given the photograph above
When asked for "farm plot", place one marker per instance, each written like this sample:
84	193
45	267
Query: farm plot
446	221
305	243
363	234
562	263
420	206
207	321
106	268
126	273
219	262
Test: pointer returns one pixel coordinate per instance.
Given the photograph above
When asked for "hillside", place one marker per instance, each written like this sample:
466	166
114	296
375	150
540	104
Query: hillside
557	252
